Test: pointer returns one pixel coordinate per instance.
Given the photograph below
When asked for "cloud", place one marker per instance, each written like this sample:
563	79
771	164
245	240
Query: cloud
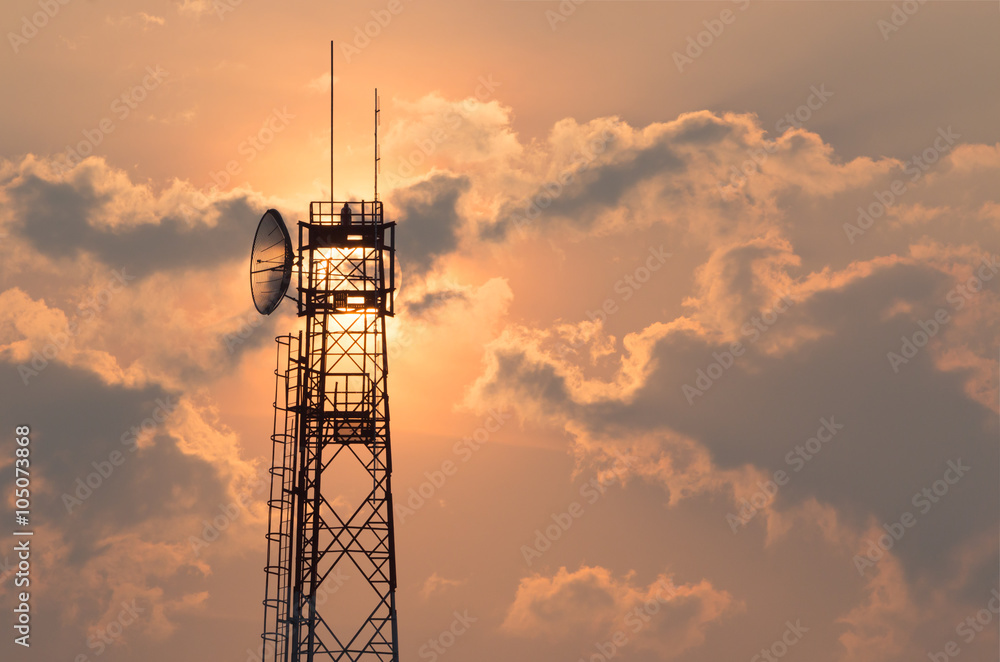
142	19
194	8
431	301
95	210
590	604
321	83
433	132
120	274
754	408
129	476
436	584
429	220
787	320
770	322
179	117
606	174
107	315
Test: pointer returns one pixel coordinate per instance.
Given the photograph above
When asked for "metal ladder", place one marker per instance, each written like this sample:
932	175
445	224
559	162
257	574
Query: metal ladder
280	502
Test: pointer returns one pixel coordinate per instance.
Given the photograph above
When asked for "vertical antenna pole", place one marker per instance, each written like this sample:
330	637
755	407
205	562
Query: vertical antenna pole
376	144
331	129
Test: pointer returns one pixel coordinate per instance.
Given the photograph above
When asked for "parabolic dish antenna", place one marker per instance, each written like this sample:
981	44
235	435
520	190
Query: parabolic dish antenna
270	262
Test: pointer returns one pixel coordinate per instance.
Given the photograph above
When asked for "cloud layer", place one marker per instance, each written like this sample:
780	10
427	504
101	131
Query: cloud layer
792	358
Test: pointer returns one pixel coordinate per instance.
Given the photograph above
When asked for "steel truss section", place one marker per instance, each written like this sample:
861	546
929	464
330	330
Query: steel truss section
331	498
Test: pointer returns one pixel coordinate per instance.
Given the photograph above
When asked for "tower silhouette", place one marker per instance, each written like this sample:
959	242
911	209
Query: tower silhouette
331	567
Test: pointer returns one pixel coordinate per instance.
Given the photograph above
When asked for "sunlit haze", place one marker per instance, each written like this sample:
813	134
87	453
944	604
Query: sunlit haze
695	348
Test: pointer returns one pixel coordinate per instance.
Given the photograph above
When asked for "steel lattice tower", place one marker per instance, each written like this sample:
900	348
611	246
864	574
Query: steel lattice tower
330	502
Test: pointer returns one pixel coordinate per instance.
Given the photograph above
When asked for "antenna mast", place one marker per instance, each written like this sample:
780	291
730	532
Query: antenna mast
377	156
331	125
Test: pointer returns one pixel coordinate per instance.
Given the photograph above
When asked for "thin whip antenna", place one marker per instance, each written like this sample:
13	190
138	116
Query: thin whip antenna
377	157
331	129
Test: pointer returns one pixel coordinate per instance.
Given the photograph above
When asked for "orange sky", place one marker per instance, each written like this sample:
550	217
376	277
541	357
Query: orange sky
747	246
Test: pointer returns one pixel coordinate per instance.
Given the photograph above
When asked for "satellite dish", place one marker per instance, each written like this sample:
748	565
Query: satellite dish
270	262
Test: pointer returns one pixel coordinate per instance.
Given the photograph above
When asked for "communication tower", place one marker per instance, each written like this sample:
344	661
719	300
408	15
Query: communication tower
331	566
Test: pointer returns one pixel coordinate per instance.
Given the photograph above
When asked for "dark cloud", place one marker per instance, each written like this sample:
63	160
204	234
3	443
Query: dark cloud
78	421
156	498
428	220
56	218
701	129
900	430
431	301
584	193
